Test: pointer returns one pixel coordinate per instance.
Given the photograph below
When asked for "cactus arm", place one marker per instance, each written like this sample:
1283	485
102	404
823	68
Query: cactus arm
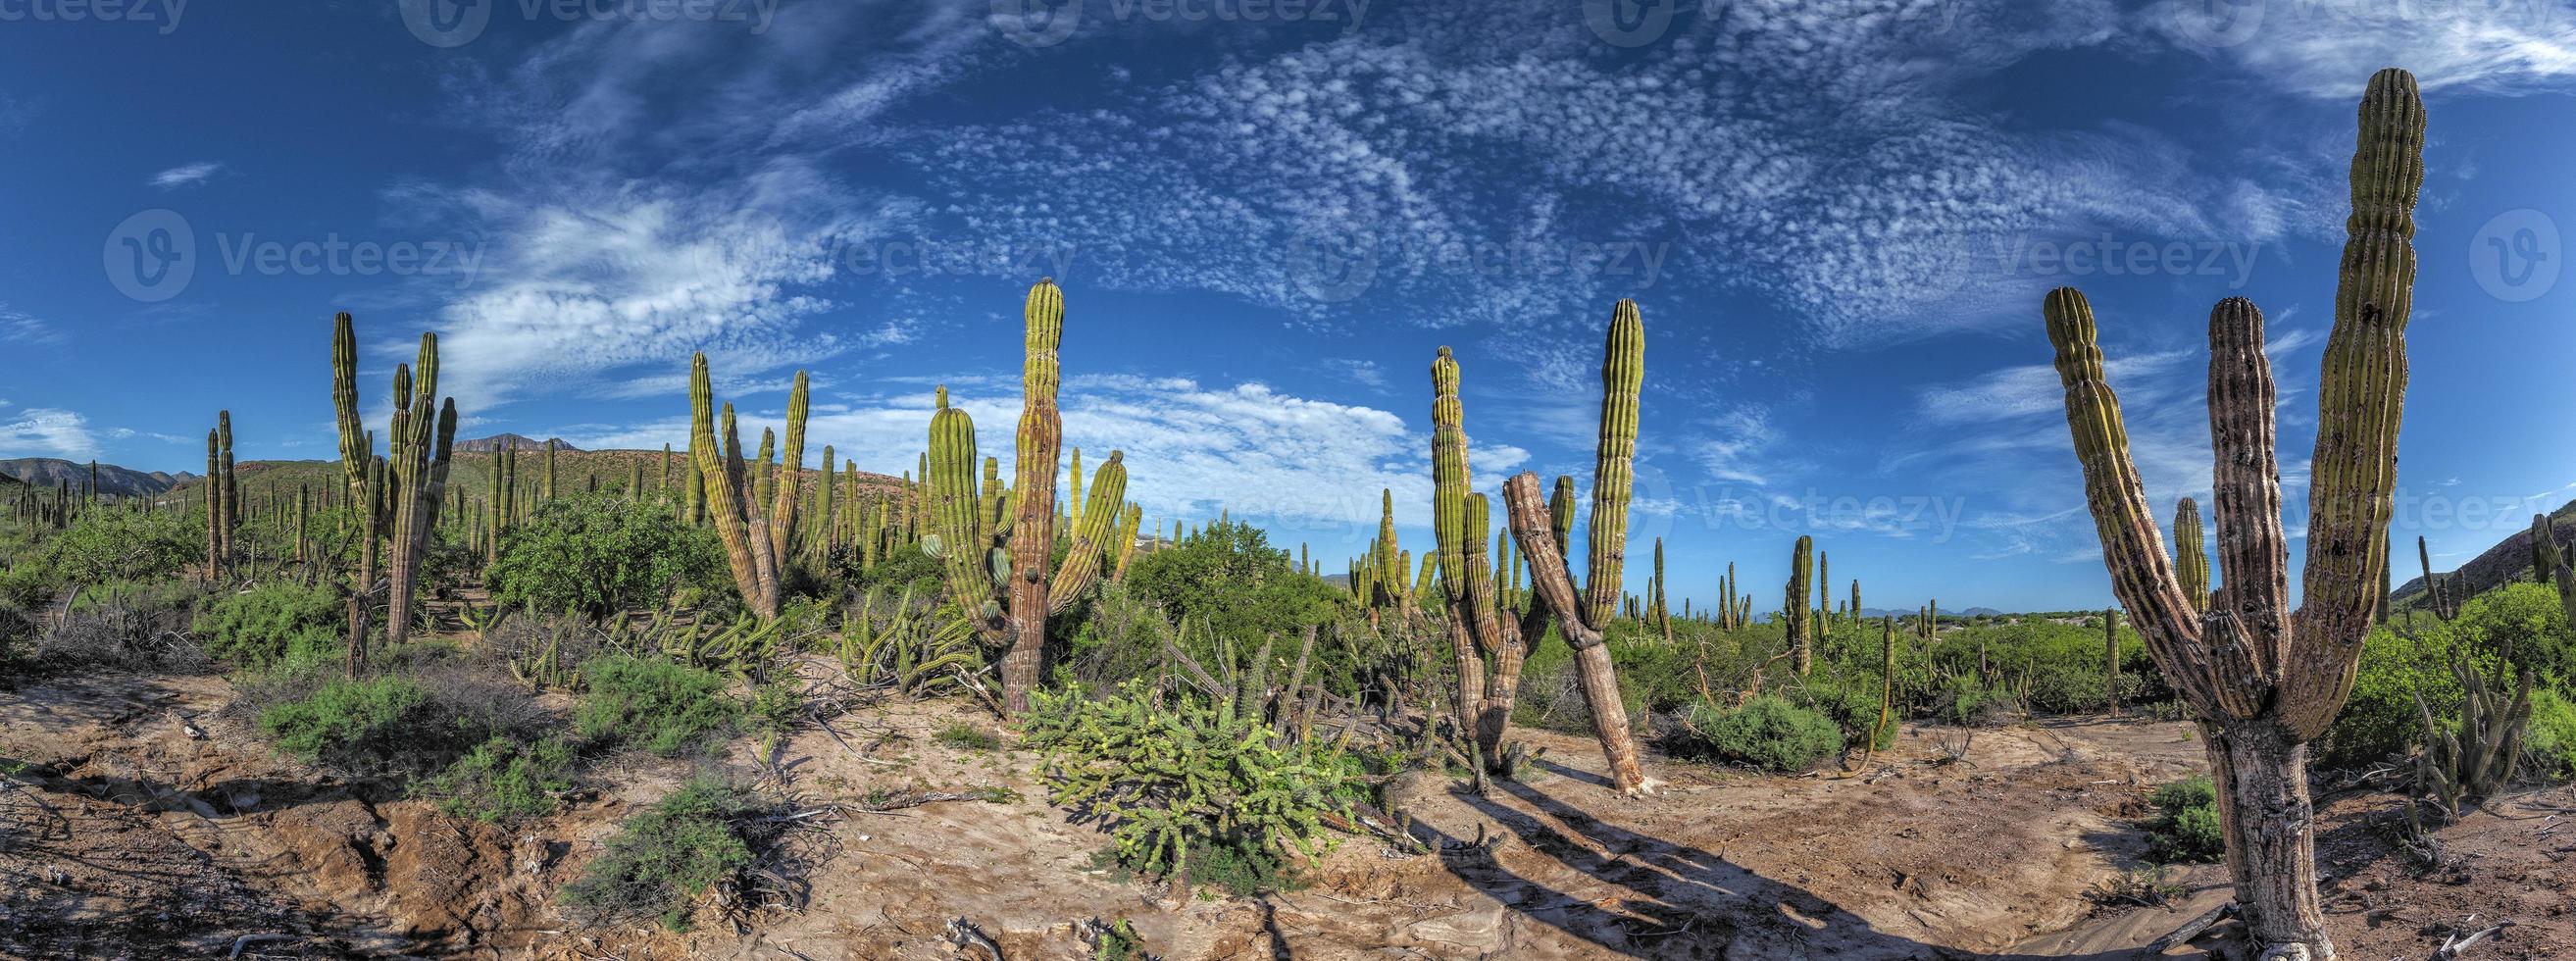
1623	374
791	476
959	522
2246	499
1097	524
344	402
720	468
2191	557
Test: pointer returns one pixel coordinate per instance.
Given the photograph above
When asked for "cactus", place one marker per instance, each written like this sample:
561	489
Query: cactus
2544	549
986	564
2264	679
220	495
1793	611
756	536
2476	757
418	465
1535	528
2111	655
2191	559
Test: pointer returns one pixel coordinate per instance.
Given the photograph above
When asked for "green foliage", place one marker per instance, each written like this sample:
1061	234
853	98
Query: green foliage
1176	780
1228	578
353	724
674	852
1850	699
653	705
274	622
600	554
114	545
967	737
2412	657
2551	738
504	780
2186	827
1767	732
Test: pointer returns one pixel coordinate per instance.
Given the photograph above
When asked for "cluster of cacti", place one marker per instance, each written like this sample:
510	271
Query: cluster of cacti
756	523
398	500
2475	757
1001	575
1541	529
2265	679
1794	617
223	496
893	643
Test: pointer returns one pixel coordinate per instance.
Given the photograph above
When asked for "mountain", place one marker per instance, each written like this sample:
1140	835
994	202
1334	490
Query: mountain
2508	561
576	471
486	445
112	480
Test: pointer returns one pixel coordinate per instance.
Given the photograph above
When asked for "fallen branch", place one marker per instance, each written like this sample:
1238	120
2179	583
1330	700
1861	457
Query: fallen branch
249	939
2453	946
2192	928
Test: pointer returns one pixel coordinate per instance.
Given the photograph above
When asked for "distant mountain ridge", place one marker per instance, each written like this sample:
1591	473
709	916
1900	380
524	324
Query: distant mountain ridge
486	445
2494	567
112	480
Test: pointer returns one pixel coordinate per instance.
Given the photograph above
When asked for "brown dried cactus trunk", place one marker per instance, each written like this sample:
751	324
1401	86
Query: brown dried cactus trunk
2263	679
1555	585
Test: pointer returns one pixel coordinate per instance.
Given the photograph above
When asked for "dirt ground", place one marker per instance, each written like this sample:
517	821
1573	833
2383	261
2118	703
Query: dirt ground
122	836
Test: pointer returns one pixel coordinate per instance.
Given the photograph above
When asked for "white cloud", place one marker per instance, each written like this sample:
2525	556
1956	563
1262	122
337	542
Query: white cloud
186	175
60	433
2329	48
20	327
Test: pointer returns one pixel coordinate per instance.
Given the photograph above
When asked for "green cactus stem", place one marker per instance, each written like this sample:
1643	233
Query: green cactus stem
757	537
2191	558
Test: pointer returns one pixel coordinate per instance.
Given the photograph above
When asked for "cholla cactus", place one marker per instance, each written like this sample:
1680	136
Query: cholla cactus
2263	678
1002	577
756	536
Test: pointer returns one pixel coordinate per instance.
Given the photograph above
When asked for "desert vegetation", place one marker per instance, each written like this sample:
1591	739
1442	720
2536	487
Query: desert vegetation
675	703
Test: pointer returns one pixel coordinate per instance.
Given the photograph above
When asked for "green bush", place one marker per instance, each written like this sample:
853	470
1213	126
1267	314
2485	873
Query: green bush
2551	737
504	779
113	545
2187	826
274	622
1177	781
674	852
2381	720
352	724
599	554
1768	733
653	705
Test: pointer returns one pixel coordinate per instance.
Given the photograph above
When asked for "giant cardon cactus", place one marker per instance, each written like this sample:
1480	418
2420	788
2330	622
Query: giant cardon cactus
398	496
2264	679
1540	531
757	537
1000	573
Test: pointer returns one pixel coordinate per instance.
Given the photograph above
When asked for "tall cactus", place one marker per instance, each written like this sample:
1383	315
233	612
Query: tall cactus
218	484
756	536
1001	576
1793	610
2265	680
1623	371
2191	558
2111	656
419	465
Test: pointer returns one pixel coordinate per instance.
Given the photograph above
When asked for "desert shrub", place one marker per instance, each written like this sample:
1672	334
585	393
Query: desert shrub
1176	781
674	852
504	779
2551	738
426	711
1767	732
28	587
966	737
1228	579
122	625
114	545
599	554
273	622
348	722
653	705
2186	827
1852	703
2381	720
1966	700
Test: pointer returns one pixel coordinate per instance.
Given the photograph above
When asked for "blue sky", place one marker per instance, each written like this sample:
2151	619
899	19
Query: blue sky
1838	218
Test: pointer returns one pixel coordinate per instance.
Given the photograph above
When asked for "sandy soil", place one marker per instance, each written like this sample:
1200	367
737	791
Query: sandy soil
122	836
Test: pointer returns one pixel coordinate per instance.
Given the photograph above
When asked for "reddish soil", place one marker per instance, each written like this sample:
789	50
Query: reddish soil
121	836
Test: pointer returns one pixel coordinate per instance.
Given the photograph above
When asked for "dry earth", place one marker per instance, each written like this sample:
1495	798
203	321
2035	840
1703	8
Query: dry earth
123	837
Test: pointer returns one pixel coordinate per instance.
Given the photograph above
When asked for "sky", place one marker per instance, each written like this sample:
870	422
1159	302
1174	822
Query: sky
1838	219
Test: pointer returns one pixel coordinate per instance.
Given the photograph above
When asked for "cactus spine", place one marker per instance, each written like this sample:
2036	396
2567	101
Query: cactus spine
756	536
987	565
1581	622
2264	679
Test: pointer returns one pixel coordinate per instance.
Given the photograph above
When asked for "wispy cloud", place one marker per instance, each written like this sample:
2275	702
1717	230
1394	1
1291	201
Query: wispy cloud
20	327
186	175
47	430
2326	49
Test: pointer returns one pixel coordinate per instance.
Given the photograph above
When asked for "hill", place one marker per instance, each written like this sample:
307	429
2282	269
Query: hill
486	445
575	471
112	480
2508	561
